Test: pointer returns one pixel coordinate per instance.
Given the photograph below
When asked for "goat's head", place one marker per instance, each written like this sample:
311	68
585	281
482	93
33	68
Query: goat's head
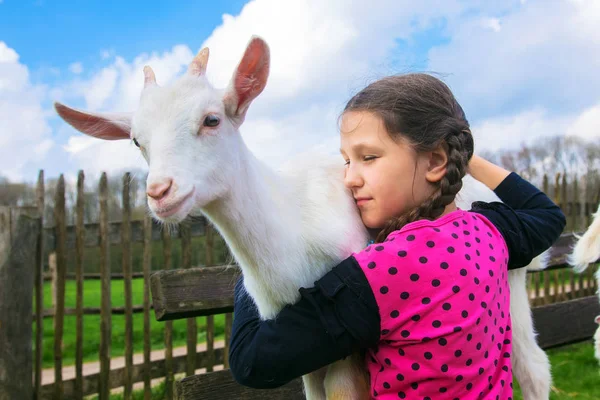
187	131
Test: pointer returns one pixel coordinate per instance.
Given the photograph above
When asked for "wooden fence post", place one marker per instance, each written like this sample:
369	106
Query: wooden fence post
19	233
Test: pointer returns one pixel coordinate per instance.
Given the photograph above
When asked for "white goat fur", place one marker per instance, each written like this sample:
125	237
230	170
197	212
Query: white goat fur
285	228
585	252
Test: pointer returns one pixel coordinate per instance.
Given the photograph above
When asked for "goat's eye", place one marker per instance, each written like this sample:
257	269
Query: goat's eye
211	120
136	142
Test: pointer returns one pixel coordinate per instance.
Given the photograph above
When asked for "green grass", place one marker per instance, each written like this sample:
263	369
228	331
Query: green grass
575	372
91	324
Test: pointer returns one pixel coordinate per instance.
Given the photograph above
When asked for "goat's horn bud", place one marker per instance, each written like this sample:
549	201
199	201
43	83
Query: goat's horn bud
198	64
149	77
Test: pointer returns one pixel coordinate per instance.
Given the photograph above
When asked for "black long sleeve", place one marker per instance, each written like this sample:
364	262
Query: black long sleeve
340	314
329	322
527	219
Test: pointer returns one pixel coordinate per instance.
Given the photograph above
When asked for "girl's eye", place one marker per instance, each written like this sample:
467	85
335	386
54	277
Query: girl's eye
369	158
211	121
136	142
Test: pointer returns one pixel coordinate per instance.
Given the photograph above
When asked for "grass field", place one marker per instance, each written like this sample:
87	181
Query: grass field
575	371
91	324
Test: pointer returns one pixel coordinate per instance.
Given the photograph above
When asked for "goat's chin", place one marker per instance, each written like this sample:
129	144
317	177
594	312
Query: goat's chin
174	216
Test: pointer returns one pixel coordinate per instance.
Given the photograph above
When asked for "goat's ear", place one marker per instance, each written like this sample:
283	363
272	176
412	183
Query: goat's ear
597	319
249	79
103	126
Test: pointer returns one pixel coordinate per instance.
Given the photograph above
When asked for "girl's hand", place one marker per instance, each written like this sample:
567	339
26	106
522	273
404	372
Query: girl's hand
486	172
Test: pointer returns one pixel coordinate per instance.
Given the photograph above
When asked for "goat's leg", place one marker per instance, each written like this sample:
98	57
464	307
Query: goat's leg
348	379
314	387
587	249
530	363
597	340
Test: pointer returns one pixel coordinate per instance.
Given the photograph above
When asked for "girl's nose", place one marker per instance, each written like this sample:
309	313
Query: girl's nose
352	178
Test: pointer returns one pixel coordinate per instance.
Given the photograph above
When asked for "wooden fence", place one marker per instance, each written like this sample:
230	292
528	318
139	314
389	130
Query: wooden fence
577	199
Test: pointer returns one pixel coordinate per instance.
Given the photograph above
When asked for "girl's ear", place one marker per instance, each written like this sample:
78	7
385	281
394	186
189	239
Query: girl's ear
438	163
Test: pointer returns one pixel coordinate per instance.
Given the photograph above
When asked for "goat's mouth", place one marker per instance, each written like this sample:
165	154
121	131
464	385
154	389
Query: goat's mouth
172	208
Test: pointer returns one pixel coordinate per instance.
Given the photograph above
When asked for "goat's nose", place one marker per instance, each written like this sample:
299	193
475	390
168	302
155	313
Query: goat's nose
158	190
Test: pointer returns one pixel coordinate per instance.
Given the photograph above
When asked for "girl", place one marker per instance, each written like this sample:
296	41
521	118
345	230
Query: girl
429	301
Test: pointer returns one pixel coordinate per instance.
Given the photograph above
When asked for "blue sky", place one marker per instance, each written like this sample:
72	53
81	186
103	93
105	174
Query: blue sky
522	69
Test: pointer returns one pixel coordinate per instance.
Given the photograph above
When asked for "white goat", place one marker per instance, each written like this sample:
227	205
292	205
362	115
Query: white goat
585	252
285	228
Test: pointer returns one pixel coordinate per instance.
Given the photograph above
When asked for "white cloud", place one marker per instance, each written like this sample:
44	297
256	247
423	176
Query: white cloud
546	53
520	69
587	124
528	126
24	133
76	68
510	131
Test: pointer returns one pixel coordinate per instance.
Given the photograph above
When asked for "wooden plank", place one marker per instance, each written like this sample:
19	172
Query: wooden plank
96	275
194	292
61	269
50	313
17	271
566	322
228	325
169	375
127	269
147	261
210	319
192	327
39	291
221	386
80	234
92	235
105	316
156	369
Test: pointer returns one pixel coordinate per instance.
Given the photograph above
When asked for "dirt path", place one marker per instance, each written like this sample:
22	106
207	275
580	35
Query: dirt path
91	368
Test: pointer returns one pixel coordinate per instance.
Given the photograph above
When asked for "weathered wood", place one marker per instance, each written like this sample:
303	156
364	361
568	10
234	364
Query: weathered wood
169	375
50	312
96	276
39	291
221	386
80	234
192	327
566	322
92	234
156	369
147	261
105	315
228	326
210	319
127	269
61	269
194	292
17	271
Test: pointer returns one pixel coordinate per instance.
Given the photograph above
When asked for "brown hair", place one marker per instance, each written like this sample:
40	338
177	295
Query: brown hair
422	109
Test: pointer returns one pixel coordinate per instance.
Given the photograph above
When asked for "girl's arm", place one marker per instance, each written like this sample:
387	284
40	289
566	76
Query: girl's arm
528	220
330	321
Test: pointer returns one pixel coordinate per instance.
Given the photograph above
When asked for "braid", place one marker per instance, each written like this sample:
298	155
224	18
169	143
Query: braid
460	150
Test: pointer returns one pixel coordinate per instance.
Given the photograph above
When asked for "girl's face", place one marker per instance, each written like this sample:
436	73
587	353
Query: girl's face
387	177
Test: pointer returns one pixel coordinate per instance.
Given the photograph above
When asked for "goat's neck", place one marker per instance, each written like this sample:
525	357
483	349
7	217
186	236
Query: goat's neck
254	219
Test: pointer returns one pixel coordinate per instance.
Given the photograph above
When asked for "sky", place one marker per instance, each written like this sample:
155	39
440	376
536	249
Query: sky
521	69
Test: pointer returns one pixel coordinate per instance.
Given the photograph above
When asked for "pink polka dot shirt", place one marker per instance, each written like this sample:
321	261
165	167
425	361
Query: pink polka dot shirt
442	291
